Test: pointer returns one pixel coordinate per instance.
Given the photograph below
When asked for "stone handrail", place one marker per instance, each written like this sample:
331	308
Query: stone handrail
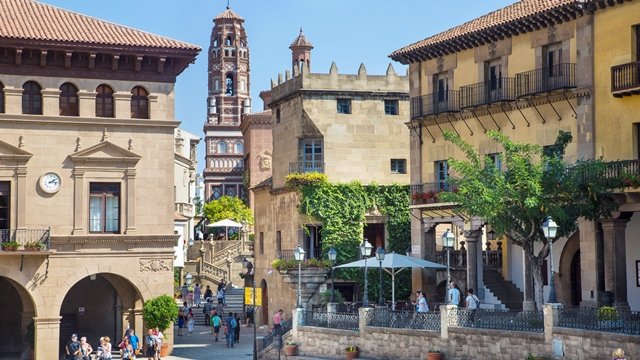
213	271
184	209
231	251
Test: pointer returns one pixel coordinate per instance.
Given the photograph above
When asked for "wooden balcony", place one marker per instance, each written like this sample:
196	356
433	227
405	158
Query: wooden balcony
625	79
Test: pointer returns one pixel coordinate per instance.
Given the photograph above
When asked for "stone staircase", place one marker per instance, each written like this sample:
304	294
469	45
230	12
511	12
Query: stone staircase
504	290
235	304
215	265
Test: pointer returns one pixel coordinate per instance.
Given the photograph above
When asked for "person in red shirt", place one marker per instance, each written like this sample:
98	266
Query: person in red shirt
277	322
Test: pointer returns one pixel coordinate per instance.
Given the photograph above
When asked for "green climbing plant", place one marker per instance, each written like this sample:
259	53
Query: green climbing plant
342	209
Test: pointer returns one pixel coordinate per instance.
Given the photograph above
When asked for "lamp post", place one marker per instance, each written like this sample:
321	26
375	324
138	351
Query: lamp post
365	251
298	253
550	228
380	257
188	278
249	266
332	257
447	242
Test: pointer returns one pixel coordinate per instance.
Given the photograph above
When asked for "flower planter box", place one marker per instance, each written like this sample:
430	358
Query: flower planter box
291	350
434	356
350	355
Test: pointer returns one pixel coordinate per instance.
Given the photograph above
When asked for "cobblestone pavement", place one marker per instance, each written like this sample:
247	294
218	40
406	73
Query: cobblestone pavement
200	345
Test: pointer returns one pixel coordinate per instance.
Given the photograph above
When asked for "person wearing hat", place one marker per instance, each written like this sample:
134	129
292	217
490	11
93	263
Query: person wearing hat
73	348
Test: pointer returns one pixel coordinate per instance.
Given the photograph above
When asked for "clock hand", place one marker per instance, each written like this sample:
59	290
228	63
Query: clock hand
52	181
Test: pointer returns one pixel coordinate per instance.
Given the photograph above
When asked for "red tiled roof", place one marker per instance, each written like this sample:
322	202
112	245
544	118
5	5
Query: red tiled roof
31	20
301	41
228	14
509	14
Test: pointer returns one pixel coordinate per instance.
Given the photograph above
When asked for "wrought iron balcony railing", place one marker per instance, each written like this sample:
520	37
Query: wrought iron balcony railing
288	254
547	79
25	239
306	167
428	192
436	103
625	79
487	92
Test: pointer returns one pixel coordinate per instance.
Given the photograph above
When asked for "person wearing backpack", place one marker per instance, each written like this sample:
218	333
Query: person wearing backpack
231	330
216	322
473	303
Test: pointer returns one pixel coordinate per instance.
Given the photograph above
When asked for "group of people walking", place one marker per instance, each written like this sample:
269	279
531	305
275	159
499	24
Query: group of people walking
452	297
130	347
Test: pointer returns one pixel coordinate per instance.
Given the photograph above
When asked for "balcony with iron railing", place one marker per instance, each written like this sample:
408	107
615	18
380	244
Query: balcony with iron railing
435	103
24	240
547	79
487	92
625	79
288	254
306	167
427	193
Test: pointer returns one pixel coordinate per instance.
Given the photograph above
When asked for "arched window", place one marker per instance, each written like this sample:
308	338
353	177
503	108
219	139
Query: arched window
215	42
229	84
139	103
239	148
229	41
222	147
31	98
68	100
104	101
1	98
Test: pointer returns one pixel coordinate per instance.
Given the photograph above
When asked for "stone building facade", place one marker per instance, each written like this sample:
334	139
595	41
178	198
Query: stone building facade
88	123
529	71
228	99
336	124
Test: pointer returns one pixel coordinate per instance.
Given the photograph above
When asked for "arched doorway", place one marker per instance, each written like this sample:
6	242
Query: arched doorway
576	280
99	305
16	319
265	303
568	280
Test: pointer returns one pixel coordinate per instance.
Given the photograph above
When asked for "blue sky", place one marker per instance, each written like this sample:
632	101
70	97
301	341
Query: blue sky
348	32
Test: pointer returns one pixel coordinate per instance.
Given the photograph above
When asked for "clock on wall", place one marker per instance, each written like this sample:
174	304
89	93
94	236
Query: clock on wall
50	182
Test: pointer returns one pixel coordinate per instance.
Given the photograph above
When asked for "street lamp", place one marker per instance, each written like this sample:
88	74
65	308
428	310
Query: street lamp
380	257
550	228
298	253
188	279
249	266
365	251
332	257
447	242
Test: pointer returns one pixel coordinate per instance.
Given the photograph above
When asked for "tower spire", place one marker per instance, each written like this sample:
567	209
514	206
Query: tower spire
228	6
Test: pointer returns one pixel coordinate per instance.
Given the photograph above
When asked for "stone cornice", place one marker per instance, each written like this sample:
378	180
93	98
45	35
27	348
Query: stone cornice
80	121
115	238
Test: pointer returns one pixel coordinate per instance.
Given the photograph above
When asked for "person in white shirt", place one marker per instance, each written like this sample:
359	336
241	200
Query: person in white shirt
472	303
423	307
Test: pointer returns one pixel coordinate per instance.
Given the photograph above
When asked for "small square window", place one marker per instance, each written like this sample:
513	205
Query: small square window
398	166
391	107
344	106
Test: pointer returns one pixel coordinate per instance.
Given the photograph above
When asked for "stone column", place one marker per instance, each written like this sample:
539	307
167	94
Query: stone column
122	104
47	334
87	103
50	102
155	111
12	100
615	271
471	237
418	242
130	177
591	263
444	320
551	319
529	303
21	196
79	207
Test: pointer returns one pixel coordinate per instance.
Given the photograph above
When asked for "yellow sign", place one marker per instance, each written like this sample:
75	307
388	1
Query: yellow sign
248	296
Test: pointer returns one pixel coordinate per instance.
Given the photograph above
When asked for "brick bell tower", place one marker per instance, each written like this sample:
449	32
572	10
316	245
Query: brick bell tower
228	99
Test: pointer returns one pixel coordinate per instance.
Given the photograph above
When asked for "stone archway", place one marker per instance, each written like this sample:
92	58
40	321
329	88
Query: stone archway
566	286
17	311
98	305
265	303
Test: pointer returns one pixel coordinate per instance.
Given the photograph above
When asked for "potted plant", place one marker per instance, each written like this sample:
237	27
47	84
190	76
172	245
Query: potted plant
434	354
10	246
291	348
160	312
34	246
351	352
607	317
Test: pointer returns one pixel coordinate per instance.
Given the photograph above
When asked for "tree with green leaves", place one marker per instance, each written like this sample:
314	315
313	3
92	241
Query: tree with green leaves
228	207
534	183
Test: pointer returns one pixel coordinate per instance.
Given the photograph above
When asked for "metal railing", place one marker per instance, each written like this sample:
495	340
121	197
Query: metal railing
306	167
487	92
26	238
428	192
268	339
288	254
435	103
618	321
625	77
324	319
542	80
403	319
497	319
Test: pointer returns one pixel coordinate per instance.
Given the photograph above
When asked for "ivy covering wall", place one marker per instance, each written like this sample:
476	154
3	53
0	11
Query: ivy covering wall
342	209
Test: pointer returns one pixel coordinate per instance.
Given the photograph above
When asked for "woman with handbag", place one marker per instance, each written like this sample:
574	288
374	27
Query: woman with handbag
127	350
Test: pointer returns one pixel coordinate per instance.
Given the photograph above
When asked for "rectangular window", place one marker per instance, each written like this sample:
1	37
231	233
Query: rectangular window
442	175
398	166
311	157
278	240
344	106
261	243
104	207
391	107
496	159
5	206
441	85
637	42
278	116
553	59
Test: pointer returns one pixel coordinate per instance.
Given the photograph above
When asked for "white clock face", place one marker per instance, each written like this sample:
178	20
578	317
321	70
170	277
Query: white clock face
50	182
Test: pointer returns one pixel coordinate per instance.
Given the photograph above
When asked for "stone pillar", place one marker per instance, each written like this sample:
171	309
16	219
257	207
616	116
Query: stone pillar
87	103
591	263
21	196
471	237
79	207
12	100
130	177
363	314
529	303
47	334
155	111
444	320
551	319
50	102
420	241
615	271
122	105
